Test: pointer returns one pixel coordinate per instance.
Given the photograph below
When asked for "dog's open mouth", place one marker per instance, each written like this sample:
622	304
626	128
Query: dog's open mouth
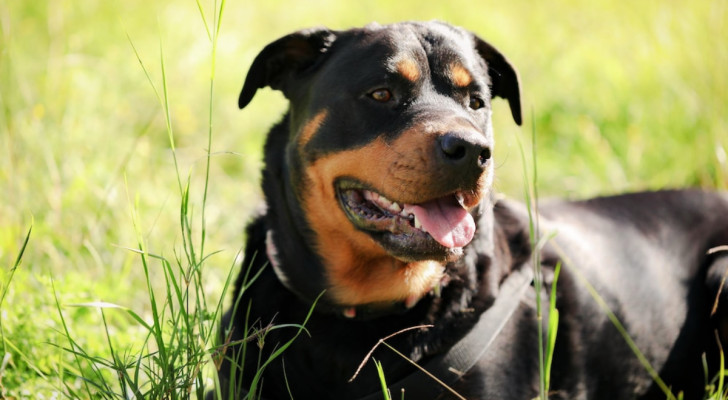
437	228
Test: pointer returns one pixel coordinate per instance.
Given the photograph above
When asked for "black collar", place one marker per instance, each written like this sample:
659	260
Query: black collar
451	366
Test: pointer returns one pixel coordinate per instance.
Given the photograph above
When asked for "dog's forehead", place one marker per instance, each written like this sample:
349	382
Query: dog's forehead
431	43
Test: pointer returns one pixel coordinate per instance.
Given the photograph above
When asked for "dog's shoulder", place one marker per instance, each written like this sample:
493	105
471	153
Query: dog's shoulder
512	229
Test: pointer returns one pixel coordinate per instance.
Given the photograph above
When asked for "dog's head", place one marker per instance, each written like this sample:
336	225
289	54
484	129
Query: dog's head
389	148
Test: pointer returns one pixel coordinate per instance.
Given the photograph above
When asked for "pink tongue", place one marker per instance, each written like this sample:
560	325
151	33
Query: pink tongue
446	221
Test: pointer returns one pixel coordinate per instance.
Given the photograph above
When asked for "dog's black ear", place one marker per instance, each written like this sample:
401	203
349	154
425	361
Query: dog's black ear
283	59
503	77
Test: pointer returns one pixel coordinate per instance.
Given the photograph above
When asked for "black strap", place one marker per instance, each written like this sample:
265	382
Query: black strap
451	366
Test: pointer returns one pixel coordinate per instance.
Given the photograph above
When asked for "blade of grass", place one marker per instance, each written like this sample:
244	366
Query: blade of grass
553	327
221	301
6	285
103	305
285	379
382	380
117	367
156	331
218	23
204	19
68	336
538	277
721	375
18	261
23	356
167	112
531	194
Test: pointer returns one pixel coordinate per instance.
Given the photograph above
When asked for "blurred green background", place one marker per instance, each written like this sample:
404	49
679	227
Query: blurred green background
620	95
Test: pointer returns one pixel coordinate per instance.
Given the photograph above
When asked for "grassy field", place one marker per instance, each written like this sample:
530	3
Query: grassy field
621	95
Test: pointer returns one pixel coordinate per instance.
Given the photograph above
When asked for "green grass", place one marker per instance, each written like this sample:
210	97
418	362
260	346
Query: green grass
625	96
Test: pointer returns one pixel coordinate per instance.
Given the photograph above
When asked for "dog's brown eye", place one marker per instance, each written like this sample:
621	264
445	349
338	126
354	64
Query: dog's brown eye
381	95
476	103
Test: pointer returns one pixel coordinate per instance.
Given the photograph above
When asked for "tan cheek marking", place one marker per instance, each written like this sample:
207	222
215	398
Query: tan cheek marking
460	76
311	127
408	69
359	270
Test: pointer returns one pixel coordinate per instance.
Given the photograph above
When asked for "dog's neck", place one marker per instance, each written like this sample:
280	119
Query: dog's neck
286	226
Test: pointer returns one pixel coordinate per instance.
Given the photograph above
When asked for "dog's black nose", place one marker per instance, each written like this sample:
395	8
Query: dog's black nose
458	151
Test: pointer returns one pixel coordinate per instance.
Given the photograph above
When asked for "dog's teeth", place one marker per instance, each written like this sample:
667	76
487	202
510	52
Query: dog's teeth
381	201
418	224
460	199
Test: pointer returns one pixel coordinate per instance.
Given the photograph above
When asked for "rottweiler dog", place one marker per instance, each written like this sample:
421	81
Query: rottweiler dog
381	223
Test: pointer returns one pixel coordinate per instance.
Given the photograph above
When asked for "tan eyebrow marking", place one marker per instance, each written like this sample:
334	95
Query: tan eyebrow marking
408	68
460	76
